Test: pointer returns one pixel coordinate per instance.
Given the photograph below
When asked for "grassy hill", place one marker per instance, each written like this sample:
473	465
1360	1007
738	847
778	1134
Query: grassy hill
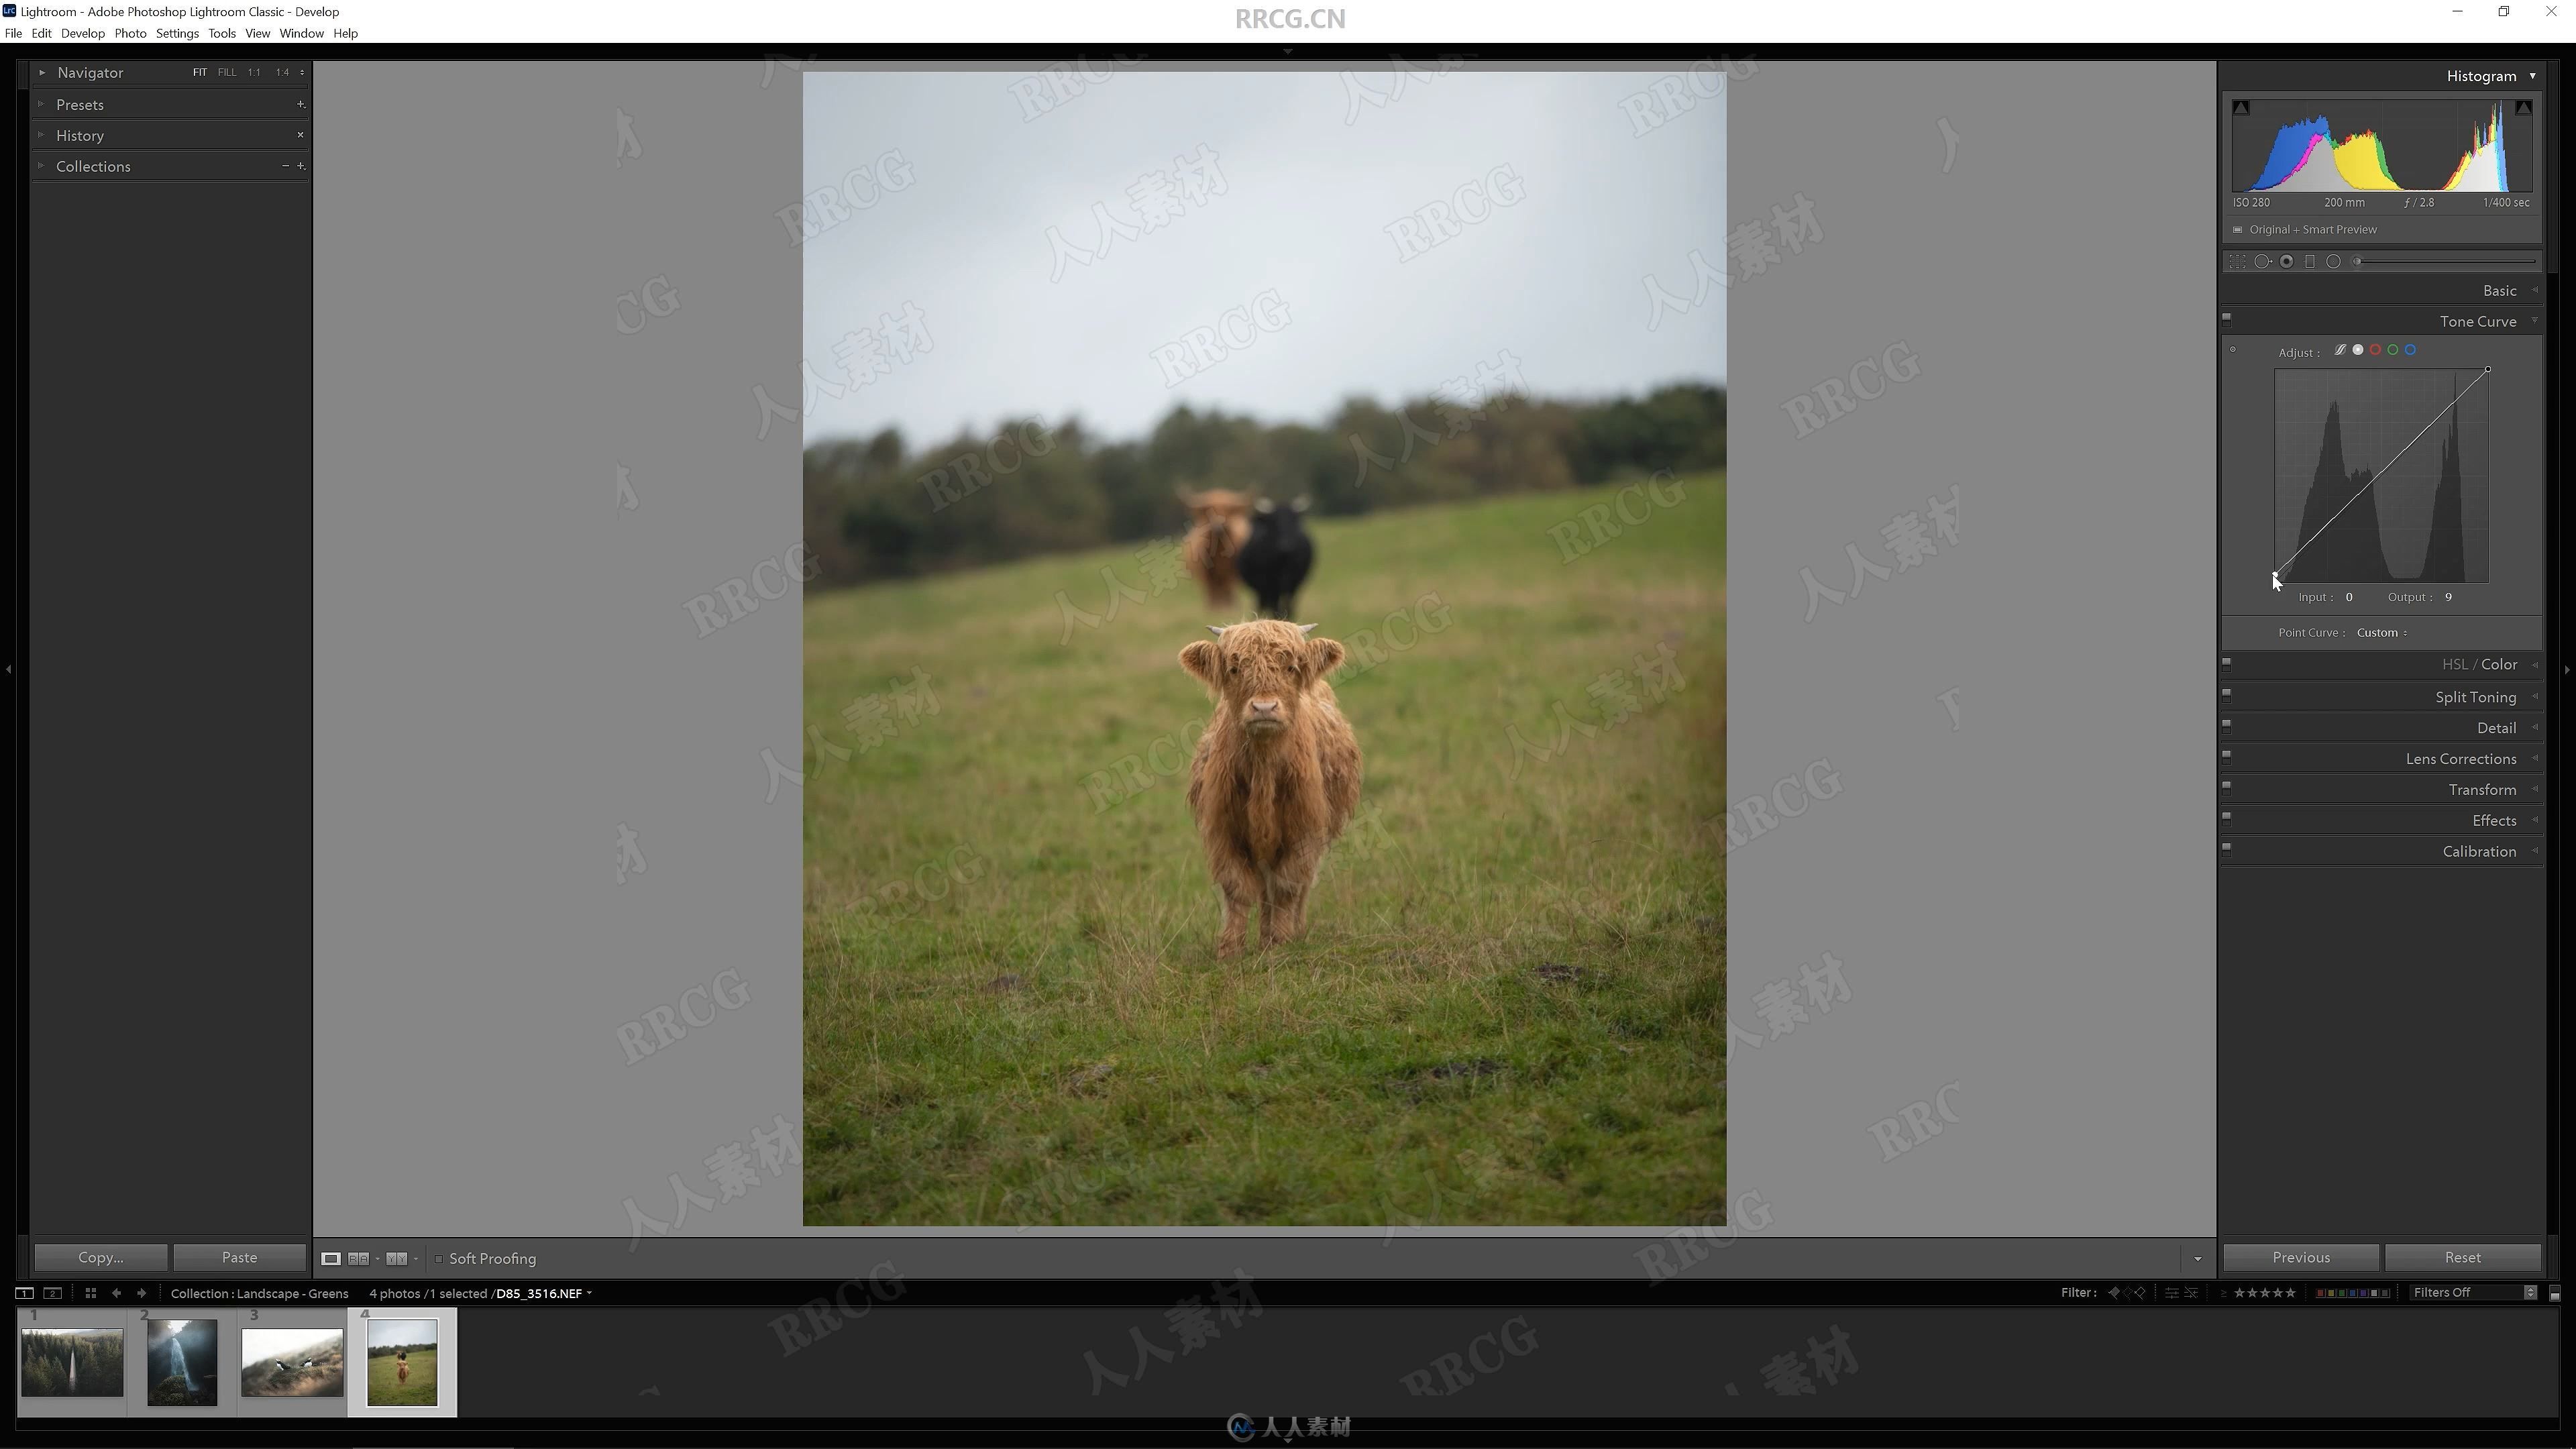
1509	1004
387	1387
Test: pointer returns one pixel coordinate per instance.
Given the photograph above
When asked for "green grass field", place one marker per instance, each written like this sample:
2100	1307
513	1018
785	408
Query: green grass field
383	1391
1509	1004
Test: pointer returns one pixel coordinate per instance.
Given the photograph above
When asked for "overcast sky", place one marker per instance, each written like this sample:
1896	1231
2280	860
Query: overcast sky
1310	189
402	1333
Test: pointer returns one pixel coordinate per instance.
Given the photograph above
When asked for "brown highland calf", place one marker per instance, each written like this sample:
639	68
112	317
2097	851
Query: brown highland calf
1220	520
1277	772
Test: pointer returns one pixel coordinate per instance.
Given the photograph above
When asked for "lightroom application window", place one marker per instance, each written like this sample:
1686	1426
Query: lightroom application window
1174	723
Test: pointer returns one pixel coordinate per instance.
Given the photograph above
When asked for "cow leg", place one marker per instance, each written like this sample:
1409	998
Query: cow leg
1278	912
1239	885
1283	913
1283	916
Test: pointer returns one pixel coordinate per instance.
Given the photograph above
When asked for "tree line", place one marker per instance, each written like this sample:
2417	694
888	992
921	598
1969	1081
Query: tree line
877	508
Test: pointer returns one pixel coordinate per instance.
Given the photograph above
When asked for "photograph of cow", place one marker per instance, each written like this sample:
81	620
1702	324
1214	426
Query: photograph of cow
1276	556
1265	646
1277	772
1220	524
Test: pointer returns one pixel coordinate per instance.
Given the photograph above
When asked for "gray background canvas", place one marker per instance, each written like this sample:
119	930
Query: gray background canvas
2025	904
505	664
506	667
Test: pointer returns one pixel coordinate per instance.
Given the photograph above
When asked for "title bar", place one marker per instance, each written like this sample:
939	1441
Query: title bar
1391	23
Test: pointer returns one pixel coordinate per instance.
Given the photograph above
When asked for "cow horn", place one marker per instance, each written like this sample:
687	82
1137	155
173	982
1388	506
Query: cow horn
1217	629
1264	506
1308	628
1302	503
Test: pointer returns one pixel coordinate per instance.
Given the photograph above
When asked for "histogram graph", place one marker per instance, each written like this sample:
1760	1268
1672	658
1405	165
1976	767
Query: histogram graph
2380	477
2358	146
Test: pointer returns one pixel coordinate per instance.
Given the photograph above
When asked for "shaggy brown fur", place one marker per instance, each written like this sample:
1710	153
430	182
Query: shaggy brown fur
1220	520
1277	772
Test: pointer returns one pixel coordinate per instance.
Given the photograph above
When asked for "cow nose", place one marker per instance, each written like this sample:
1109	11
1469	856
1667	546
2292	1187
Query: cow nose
1265	707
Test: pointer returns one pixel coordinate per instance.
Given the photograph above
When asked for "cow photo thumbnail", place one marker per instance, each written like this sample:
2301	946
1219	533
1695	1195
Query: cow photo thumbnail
1264	614
402	1362
292	1363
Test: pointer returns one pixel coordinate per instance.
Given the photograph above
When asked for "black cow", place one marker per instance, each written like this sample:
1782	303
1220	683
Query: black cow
1277	557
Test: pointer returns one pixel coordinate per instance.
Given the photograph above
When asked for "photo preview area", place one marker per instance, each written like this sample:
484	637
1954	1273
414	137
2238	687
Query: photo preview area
1501	730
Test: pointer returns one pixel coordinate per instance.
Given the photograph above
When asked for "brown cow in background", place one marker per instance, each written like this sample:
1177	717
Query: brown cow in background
1220	520
1277	772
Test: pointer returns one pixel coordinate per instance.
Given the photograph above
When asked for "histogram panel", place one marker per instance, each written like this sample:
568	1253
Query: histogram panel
2360	146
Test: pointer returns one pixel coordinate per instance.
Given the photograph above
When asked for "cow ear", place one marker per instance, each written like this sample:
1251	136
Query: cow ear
1302	504
1199	658
1264	506
1327	654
